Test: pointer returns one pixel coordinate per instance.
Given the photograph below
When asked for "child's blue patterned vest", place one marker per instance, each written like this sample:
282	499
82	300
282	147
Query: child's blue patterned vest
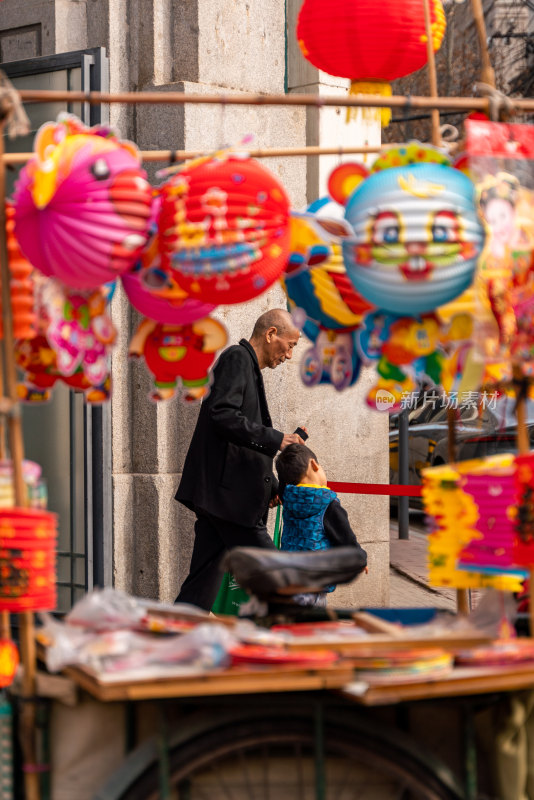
304	510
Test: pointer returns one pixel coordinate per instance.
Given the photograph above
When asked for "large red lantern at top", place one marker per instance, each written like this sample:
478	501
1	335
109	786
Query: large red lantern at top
371	42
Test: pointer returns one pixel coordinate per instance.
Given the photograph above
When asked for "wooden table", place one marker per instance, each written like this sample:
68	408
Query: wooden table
237	680
462	681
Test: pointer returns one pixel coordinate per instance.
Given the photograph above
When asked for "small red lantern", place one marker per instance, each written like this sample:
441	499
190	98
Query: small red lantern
368	41
9	661
28	540
21	285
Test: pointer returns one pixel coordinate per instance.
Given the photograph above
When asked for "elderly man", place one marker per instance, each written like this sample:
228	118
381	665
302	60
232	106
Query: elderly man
228	476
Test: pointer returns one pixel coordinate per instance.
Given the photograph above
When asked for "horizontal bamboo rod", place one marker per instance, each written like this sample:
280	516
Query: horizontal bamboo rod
183	155
521	104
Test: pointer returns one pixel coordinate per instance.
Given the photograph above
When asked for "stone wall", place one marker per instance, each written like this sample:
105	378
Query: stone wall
196	46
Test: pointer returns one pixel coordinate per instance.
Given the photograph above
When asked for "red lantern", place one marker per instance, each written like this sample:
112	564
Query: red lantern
28	539
21	285
369	41
9	661
224	229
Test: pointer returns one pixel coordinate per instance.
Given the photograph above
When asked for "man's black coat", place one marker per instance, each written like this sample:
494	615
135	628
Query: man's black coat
228	471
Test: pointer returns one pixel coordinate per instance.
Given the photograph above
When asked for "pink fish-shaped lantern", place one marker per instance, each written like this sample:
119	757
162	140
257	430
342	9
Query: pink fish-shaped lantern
82	204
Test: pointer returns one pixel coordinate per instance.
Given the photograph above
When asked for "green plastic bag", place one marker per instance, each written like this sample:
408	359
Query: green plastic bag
231	595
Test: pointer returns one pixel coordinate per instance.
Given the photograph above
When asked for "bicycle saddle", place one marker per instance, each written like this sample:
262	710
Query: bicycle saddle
264	573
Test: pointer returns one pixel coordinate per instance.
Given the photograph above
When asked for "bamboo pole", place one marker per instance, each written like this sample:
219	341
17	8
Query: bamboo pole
5	624
487	73
521	104
432	75
27	633
462	601
523	447
263	152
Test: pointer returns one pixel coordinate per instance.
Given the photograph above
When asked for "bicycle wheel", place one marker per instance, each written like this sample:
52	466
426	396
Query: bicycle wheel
275	759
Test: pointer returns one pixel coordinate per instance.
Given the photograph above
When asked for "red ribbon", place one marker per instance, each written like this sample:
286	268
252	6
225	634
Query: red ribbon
391	489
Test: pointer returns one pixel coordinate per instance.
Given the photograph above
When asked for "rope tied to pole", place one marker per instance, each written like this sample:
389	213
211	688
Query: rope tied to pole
501	107
11	109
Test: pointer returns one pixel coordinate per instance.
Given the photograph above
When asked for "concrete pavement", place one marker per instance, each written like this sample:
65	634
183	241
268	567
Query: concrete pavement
409	574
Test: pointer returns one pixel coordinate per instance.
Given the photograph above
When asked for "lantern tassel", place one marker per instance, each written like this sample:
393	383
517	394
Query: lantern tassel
382	115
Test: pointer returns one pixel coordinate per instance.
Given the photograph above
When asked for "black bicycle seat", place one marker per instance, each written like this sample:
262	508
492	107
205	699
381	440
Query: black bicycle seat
265	573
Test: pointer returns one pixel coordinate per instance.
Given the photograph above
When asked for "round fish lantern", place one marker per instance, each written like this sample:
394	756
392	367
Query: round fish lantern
369	42
82	204
224	229
416	237
315	279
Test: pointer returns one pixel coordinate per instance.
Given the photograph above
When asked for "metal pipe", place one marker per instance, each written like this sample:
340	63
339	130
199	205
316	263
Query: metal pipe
404	474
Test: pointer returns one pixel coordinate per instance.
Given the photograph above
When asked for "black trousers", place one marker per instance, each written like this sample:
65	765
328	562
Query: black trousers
213	538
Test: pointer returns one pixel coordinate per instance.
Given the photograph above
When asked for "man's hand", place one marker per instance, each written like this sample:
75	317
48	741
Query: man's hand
275	501
290	438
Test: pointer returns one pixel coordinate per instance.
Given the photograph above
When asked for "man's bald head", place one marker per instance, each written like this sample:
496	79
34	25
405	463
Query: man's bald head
274	337
277	318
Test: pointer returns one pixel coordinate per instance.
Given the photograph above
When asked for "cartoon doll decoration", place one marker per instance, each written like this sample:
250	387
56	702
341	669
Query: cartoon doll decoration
179	351
333	357
38	361
500	159
73	344
506	278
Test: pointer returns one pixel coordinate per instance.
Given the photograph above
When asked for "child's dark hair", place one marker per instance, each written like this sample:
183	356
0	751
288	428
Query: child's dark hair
292	465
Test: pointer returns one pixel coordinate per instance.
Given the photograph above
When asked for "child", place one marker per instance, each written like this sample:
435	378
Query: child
314	519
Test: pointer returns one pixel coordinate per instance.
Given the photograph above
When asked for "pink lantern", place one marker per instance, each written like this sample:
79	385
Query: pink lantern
493	492
181	310
82	204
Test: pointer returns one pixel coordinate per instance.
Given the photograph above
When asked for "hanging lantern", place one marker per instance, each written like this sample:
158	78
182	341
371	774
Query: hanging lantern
405	351
184	352
21	285
82	204
224	229
78	327
178	311
315	279
369	42
462	527
333	359
28	539
9	661
416	233
37	359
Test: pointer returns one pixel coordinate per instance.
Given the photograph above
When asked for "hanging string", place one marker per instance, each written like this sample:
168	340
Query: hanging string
11	109
432	74
501	107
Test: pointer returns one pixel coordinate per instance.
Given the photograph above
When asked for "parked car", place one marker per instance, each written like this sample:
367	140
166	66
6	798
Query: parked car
479	432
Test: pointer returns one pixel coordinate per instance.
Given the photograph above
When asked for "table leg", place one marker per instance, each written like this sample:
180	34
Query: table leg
163	753
320	777
470	753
